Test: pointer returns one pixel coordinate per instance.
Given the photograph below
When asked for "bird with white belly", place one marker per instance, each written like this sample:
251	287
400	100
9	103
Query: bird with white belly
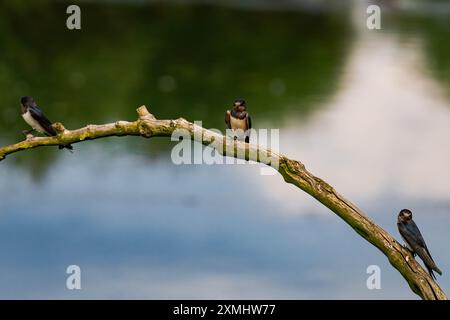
239	120
36	119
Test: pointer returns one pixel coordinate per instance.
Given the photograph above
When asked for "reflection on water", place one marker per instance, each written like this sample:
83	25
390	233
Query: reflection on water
372	118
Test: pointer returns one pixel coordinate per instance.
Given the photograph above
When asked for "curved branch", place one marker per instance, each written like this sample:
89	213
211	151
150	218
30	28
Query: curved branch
292	171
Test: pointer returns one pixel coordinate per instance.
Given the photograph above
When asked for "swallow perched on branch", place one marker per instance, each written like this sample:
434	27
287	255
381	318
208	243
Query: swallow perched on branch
239	120
37	120
414	240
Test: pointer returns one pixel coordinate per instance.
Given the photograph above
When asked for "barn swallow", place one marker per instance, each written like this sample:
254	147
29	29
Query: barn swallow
239	119
414	240
37	120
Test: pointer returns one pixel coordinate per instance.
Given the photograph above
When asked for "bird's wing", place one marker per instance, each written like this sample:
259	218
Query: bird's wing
39	116
412	228
408	236
414	238
249	122
227	119
425	255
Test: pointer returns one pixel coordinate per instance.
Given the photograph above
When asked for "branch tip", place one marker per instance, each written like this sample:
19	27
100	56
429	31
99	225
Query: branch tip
59	127
144	114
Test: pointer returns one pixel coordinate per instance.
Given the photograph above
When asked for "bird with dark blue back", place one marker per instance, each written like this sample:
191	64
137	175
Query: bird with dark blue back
414	240
36	119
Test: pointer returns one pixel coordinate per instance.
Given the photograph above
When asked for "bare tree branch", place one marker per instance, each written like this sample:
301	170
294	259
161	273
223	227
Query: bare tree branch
292	171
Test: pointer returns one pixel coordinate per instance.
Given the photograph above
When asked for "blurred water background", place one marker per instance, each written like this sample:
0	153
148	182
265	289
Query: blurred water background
368	111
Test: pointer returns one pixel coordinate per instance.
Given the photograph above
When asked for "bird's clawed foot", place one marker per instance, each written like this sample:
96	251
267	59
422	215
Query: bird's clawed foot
28	134
409	250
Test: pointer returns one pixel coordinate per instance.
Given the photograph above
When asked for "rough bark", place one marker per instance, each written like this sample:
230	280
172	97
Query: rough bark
293	172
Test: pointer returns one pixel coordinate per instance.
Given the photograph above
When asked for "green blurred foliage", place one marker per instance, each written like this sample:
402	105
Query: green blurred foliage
434	32
189	61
